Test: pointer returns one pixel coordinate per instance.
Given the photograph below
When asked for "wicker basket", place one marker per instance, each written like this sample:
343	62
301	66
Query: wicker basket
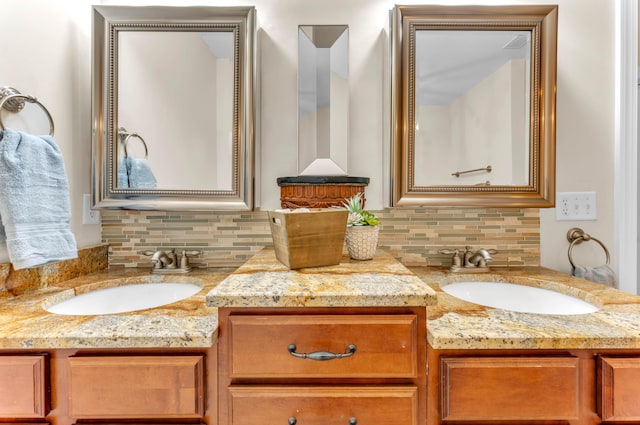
362	241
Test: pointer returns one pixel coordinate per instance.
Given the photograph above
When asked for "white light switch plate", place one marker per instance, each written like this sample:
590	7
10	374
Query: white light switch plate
576	206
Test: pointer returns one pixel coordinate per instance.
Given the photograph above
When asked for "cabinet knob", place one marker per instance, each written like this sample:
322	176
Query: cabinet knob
322	355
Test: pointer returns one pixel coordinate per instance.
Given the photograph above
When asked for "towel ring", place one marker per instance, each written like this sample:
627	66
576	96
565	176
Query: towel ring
576	236
13	100
135	136
126	135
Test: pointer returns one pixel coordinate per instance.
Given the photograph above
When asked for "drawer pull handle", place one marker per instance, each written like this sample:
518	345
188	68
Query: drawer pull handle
293	421
322	355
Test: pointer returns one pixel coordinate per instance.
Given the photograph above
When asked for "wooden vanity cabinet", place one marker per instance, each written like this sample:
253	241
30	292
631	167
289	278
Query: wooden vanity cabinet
508	388
115	386
374	371
575	387
136	387
618	388
133	385
24	387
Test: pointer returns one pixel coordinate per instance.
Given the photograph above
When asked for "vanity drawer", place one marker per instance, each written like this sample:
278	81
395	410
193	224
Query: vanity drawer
305	405
385	346
619	388
23	392
509	388
118	387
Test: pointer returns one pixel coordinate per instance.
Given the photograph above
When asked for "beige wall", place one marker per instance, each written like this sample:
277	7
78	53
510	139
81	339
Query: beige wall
47	54
482	127
45	49
146	105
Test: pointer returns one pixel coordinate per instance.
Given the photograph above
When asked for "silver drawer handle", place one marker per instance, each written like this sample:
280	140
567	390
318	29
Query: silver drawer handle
322	355
293	421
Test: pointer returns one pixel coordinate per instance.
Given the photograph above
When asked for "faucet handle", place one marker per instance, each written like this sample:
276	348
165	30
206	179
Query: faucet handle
184	258
455	259
147	252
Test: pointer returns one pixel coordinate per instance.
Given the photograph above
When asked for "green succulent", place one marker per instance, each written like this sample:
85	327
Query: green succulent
357	215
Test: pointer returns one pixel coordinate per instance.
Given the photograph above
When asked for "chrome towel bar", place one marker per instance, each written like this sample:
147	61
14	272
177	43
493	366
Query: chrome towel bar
487	169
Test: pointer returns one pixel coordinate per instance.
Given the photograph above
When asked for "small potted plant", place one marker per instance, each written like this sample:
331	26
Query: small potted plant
361	236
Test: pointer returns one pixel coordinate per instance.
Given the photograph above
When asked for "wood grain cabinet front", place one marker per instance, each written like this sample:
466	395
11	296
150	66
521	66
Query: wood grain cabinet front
23	387
619	389
313	366
136	387
352	346
338	405
510	389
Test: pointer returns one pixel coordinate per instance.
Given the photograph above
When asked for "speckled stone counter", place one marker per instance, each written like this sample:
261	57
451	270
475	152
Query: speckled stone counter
382	282
24	323
265	282
457	324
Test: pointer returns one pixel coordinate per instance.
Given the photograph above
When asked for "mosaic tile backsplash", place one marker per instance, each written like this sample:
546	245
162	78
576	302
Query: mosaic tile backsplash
413	235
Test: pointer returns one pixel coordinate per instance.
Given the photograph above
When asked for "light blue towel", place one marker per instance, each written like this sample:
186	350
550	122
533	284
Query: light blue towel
34	200
135	173
123	175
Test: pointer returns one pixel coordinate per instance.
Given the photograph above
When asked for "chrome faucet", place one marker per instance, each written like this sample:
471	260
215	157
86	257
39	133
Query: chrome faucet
169	262
469	261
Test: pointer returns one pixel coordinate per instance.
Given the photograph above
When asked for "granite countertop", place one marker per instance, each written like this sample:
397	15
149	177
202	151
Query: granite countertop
24	323
265	282
457	324
261	282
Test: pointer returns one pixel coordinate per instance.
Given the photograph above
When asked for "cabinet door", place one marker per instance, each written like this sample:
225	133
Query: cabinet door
619	389
385	346
304	405
23	391
509	388
132	387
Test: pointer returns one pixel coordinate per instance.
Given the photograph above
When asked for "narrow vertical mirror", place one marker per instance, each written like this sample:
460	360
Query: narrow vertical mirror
323	99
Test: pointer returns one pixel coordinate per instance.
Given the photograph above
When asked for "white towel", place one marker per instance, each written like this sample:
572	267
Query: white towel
600	274
34	200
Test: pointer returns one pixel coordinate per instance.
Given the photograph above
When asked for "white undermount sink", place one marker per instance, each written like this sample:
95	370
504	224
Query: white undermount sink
124	298
519	298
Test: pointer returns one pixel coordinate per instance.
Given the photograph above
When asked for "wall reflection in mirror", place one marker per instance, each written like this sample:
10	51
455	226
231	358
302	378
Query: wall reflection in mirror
472	96
175	89
173	107
323	99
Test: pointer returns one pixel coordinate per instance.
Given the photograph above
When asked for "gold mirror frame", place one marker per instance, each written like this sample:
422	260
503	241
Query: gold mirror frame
542	21
108	21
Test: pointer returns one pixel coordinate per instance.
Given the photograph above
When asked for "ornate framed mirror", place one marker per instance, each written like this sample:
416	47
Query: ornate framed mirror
173	108
473	105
